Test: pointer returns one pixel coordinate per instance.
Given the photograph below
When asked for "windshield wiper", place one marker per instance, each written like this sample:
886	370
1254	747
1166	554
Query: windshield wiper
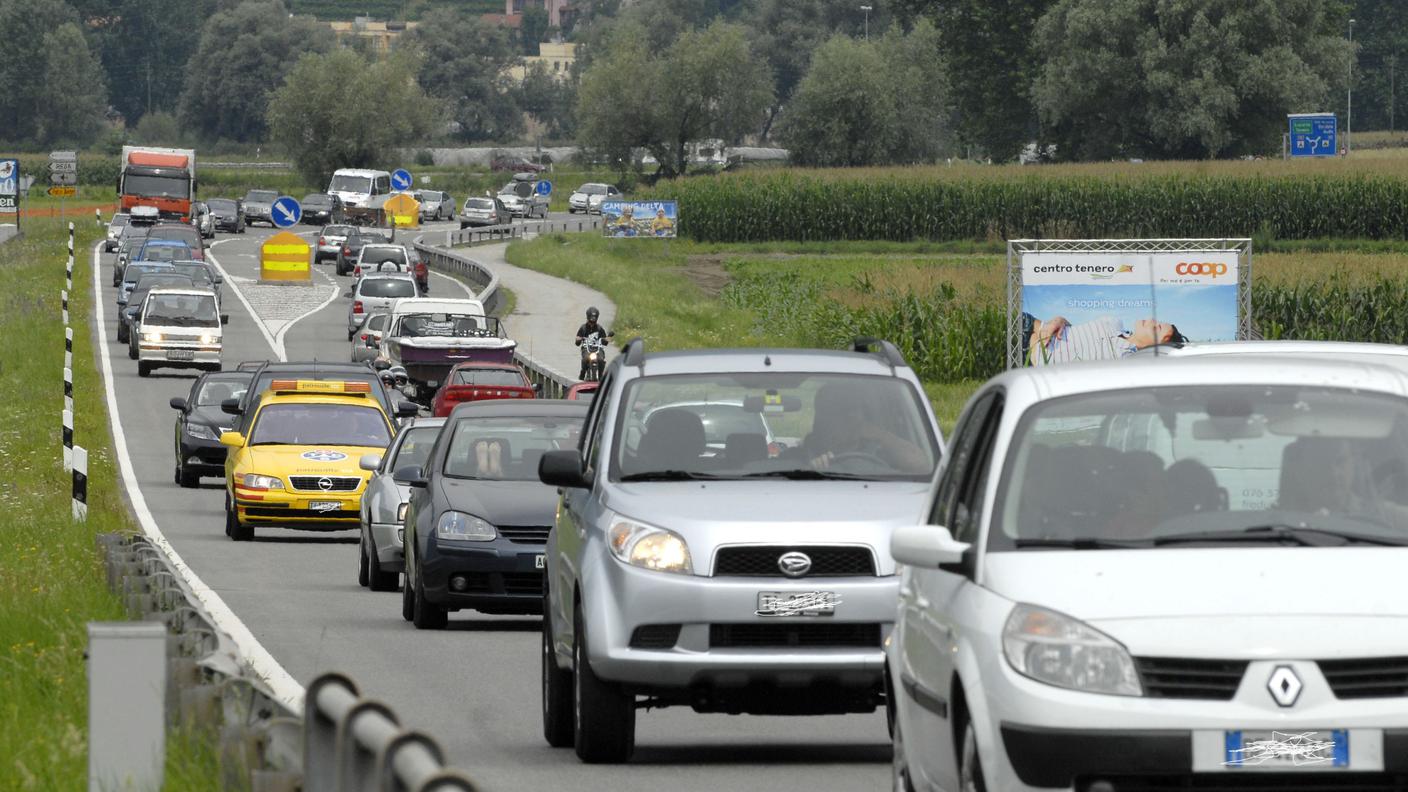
1083	543
670	475
1281	533
803	474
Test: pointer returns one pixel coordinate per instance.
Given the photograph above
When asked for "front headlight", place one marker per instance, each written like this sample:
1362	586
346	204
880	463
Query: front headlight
257	481
464	527
202	431
207	338
151	338
1055	649
649	547
401	512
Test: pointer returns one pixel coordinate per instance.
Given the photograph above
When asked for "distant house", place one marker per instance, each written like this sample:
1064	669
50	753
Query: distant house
556	9
380	35
558	56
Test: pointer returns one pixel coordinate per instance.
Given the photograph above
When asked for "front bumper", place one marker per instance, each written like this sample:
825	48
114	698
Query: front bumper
293	509
159	355
617	599
390	552
206	457
500	576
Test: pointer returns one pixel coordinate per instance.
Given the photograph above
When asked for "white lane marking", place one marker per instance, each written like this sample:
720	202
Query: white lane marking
280	682
276	335
283	331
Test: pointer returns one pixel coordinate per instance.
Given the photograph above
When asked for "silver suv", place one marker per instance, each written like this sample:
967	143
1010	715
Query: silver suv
747	572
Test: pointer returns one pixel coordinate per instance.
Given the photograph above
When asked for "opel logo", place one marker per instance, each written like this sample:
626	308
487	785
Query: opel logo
794	564
324	483
1285	686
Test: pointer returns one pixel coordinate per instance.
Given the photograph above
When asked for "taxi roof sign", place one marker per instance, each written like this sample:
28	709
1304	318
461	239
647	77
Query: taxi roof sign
336	387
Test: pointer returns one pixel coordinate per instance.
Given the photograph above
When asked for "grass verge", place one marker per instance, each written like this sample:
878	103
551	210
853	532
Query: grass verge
51	578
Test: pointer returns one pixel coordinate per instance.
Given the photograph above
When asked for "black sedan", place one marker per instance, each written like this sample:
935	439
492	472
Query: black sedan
352	247
199	422
322	209
228	214
478	517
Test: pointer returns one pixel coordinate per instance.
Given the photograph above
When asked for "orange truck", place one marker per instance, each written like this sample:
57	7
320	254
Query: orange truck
164	178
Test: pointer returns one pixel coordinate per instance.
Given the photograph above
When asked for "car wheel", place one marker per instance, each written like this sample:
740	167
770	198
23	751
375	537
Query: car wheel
121	334
427	615
186	478
233	529
603	715
378	579
557	690
970	766
143	369
351	334
408	604
363	565
131	346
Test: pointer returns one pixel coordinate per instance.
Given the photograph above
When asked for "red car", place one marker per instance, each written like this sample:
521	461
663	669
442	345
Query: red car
479	382
582	391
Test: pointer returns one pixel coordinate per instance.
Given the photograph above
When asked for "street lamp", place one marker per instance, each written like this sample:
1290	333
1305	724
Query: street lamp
866	9
1349	97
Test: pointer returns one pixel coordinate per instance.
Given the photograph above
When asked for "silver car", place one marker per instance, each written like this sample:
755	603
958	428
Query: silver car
330	240
115	225
588	197
435	205
374	292
384	503
753	579
366	340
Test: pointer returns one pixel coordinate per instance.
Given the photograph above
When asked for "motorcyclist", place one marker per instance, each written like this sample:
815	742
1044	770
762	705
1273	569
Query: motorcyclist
587	331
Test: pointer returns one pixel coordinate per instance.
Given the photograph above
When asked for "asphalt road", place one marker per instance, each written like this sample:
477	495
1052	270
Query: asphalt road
475	686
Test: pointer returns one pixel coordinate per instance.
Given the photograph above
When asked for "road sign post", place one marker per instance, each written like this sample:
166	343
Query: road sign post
1313	135
286	212
401	179
63	174
544	187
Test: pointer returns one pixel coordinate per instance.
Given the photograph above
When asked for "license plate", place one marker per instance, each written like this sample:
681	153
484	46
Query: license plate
180	354
1287	750
538	562
797	603
325	506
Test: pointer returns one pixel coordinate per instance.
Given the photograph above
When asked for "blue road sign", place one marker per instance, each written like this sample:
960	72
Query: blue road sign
286	211
1313	135
544	187
9	185
401	179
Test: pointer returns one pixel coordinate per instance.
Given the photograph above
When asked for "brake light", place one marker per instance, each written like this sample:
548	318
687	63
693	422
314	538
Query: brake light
322	241
346	251
364	336
357	308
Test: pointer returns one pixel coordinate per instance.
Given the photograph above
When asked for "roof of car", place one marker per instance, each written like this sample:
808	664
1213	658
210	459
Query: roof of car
168	243
388	275
718	361
359	172
299	365
196	292
422	421
268	397
1278	347
508	408
482	364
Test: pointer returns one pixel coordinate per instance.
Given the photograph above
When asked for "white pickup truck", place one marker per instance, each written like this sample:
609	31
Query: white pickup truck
179	328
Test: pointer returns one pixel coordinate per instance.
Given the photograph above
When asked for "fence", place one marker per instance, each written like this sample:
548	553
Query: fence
554	385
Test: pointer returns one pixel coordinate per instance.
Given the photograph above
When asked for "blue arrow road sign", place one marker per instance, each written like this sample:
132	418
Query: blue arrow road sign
1313	135
286	211
401	179
544	187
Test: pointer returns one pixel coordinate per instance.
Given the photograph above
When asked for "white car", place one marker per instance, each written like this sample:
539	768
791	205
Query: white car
115	225
588	197
382	258
374	292
1161	574
179	328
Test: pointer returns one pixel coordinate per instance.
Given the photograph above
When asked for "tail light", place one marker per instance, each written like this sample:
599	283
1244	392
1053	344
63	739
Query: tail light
346	251
364	335
322	241
357	308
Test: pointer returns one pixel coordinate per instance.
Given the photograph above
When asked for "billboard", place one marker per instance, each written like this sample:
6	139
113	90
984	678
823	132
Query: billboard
1312	134
639	218
9	186
1085	303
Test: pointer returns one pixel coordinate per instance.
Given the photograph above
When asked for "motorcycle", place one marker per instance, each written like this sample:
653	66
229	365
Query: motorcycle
594	356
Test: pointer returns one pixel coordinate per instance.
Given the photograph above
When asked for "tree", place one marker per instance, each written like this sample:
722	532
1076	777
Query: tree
325	121
54	89
843	112
463	62
145	46
548	98
1191	79
1381	38
242	49
707	84
533	30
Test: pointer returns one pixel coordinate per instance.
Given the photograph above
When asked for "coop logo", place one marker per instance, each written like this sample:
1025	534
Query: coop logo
1211	269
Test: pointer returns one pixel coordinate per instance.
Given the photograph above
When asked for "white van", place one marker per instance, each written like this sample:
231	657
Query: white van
359	188
179	328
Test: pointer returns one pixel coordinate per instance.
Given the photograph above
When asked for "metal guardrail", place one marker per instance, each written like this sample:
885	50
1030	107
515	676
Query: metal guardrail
554	384
247	165
340	741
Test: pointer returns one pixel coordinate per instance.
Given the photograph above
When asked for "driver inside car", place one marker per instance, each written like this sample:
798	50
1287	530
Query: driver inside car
844	426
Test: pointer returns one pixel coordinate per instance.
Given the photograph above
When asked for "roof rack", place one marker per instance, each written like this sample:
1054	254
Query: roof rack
634	353
884	348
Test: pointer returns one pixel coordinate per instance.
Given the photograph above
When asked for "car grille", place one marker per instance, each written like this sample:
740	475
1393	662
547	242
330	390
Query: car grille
530	583
1319	781
655	636
525	534
274	512
1369	677
827	561
339	483
809	635
1183	678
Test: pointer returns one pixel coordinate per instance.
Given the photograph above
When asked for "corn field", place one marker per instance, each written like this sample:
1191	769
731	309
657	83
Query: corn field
790	205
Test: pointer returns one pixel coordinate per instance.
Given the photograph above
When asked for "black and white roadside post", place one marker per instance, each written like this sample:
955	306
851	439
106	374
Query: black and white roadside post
70	257
68	441
80	483
68	368
98	217
63	297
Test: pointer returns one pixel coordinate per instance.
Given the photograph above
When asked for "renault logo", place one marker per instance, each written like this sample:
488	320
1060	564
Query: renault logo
324	483
794	564
1284	685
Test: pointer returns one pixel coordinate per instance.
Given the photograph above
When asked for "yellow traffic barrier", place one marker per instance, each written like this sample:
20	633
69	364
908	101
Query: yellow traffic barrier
403	210
285	257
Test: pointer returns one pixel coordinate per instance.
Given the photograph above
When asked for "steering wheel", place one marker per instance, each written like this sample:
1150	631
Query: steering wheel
867	456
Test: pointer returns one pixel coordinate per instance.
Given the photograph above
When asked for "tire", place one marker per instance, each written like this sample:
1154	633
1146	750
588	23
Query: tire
970	765
131	347
363	566
143	369
603	715
378	579
186	478
408	605
121	334
899	765
351	334
426	615
233	529
557	691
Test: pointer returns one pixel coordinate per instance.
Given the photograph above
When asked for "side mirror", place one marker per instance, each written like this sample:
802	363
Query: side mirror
232	439
407	409
538	387
231	406
369	462
412	476
563	469
178	403
224	319
927	546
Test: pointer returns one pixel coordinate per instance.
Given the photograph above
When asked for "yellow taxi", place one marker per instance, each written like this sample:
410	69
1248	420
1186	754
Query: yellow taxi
299	466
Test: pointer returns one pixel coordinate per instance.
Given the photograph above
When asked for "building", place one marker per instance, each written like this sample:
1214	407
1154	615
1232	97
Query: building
555	8
558	56
380	36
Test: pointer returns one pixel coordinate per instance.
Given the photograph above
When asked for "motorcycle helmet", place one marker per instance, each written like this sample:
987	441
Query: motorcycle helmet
592	314
400	375
388	377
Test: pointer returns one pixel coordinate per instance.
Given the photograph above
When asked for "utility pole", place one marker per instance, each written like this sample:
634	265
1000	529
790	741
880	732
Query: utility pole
866	9
1392	61
1349	97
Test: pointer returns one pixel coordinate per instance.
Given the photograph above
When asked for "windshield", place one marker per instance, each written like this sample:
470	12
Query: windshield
489	376
767	424
216	390
221	205
1145	466
156	186
378	255
262	196
423	325
317	199
164	253
320	424
197	273
351	184
507	449
119	220
181	310
338	230
146	284
134	272
387	287
593	189
415	449
486	204
185	234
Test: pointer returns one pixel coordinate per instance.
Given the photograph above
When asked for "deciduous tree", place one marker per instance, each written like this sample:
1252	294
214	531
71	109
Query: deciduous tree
463	64
53	88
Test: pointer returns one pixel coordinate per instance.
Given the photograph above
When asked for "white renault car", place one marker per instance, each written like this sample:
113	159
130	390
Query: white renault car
1161	574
